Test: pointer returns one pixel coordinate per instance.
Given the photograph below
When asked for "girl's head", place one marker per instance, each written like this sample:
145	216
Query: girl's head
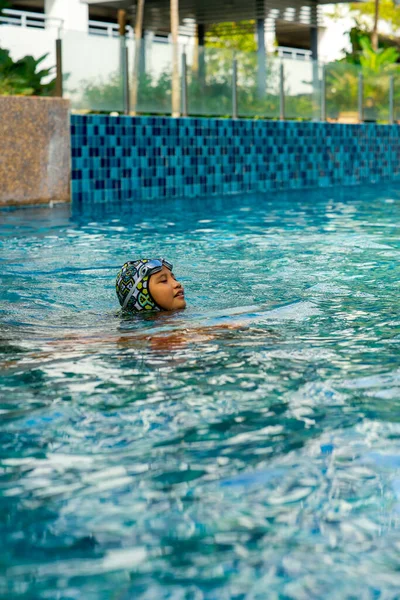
149	284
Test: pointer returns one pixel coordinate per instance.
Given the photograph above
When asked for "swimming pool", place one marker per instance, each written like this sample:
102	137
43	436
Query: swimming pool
257	462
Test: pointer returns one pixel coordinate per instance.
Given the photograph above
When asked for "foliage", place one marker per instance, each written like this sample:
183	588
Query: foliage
212	94
341	88
210	85
238	36
155	94
343	80
209	89
381	61
101	95
358	36
104	96
364	55
388	11
22	77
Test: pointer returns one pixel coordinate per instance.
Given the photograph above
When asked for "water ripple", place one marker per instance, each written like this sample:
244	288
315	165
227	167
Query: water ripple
247	448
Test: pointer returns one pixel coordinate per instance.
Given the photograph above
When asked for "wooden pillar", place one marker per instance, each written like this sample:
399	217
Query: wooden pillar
374	36
122	22
136	62
175	58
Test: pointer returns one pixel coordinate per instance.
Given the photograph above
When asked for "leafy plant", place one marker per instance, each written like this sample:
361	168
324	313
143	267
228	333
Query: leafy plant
362	45
209	85
233	36
23	77
100	95
376	68
383	60
154	95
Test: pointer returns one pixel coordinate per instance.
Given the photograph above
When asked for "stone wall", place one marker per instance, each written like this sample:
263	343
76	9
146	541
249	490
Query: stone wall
34	150
146	158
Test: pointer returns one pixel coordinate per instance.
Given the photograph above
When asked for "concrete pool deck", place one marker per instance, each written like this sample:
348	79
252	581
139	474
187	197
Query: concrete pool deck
35	150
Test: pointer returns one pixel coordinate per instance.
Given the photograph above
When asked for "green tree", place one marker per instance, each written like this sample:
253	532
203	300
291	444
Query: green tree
342	81
238	36
381	61
388	11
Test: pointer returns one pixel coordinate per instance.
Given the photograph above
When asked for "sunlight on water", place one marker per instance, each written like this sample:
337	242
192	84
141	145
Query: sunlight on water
248	447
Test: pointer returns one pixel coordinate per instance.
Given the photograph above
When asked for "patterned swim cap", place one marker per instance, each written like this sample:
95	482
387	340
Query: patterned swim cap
132	284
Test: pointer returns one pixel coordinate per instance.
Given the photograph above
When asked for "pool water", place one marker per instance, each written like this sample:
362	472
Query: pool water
248	447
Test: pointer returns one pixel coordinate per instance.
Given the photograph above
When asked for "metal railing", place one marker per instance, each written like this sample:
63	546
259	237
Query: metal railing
295	53
36	20
107	29
22	18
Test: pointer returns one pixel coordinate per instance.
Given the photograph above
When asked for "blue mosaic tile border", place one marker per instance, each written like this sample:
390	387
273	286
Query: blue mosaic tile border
145	158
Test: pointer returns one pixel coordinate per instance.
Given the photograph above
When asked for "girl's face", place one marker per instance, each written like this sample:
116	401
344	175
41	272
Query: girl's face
166	290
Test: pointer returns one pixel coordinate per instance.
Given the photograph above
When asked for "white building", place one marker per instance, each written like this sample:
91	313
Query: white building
333	35
91	48
32	26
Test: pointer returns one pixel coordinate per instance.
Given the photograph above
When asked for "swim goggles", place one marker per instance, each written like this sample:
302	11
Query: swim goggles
154	265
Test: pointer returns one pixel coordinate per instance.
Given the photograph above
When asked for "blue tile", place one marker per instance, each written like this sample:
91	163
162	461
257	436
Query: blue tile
150	157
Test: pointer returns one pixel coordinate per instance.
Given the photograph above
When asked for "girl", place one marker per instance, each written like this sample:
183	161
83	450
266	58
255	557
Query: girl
149	284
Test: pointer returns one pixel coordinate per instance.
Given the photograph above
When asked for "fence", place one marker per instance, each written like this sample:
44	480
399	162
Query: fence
105	74
25	18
